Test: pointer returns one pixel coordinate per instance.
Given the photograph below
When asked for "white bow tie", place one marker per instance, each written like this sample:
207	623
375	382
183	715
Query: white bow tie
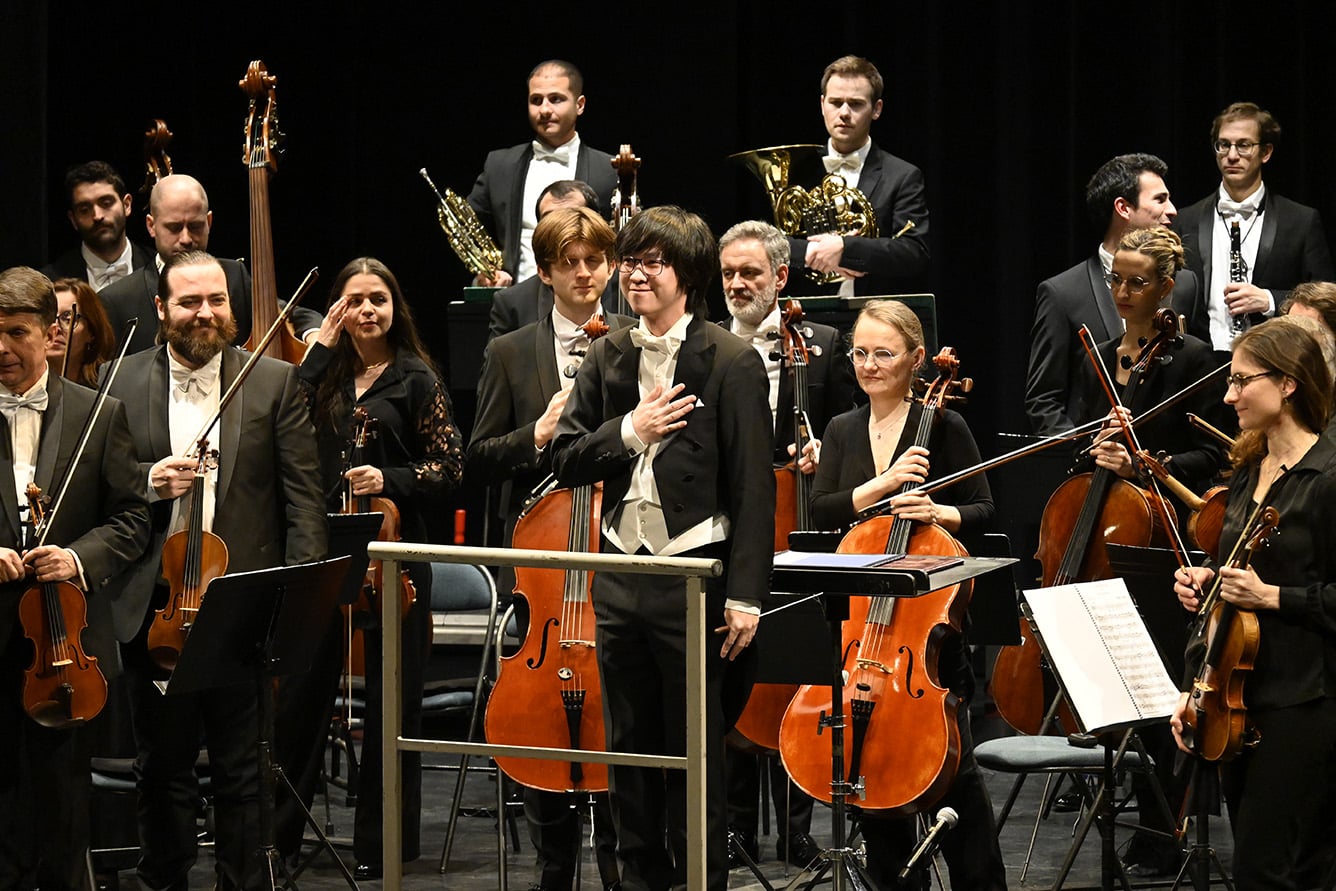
201	378
838	162
1244	209
763	334
109	273
544	152
574	343
666	344
34	399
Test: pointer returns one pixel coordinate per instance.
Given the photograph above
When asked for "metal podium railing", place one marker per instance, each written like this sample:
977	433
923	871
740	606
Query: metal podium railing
693	569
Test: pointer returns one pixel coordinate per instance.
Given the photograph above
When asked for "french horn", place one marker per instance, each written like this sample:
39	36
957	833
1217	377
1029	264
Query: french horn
465	232
832	206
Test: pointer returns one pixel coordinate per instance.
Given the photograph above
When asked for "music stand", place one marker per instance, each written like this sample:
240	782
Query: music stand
837	577
256	625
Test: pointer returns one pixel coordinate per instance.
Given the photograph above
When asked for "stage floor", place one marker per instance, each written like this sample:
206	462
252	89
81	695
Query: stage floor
473	863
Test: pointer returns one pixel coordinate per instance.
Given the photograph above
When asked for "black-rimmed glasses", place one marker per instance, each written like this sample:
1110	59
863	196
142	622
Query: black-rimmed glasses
650	265
1238	381
1244	148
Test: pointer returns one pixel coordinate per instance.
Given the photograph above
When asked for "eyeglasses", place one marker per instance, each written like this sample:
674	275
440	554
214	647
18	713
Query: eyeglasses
649	265
1245	149
882	358
1238	381
1135	285
68	316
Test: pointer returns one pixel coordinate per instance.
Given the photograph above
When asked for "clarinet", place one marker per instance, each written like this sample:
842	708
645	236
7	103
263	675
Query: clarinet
1238	272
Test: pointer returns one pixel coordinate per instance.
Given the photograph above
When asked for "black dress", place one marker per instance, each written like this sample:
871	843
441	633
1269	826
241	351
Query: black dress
971	850
419	450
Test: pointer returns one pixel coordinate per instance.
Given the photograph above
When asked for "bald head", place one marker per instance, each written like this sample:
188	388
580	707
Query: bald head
179	218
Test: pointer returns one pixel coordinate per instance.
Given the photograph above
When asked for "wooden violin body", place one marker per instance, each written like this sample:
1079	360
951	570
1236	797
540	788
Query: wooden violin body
189	563
64	686
1206	523
548	693
1216	720
905	740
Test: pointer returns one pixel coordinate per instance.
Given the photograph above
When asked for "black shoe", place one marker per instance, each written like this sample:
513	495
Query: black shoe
367	871
744	841
1148	856
1068	802
802	850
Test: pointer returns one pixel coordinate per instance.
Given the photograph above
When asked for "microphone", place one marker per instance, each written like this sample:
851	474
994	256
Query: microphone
946	818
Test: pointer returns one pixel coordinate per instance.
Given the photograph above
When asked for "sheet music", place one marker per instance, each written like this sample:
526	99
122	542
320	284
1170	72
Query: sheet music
1097	642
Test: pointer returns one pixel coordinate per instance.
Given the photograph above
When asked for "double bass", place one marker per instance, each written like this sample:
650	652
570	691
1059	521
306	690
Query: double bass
260	155
548	692
758	725
904	748
1070	551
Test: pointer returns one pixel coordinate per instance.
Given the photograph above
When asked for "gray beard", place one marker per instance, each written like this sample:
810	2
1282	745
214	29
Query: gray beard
752	314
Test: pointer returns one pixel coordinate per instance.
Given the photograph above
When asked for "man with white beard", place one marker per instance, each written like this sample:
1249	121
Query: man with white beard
754	264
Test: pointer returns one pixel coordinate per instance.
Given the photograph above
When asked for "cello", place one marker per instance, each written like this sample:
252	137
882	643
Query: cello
905	745
1070	551
758	725
1215	725
548	693
260	155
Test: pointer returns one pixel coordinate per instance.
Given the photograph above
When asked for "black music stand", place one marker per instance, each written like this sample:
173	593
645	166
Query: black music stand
837	577
257	626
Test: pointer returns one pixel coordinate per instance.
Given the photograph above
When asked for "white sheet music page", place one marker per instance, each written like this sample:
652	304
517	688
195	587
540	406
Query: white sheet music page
1099	645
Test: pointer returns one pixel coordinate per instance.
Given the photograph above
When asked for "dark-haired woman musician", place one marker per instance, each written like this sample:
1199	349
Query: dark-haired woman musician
1279	791
368	356
867	455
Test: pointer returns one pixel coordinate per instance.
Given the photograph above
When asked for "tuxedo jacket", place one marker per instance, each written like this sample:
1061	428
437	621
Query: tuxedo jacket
71	263
708	467
1293	249
132	297
832	387
269	510
530	300
895	189
498	195
520	375
104	517
1064	303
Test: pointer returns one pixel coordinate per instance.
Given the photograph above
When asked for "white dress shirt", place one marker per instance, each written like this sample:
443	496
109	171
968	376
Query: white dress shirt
850	169
548	165
764	338
193	398
101	273
1250	236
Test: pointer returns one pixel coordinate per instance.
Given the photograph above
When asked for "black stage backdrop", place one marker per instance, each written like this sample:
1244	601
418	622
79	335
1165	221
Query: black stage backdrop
1007	107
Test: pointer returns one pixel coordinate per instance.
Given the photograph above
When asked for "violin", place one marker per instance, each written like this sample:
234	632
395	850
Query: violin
260	155
191	558
905	740
625	202
758	725
1216	725
548	693
368	602
1207	518
1071	551
63	687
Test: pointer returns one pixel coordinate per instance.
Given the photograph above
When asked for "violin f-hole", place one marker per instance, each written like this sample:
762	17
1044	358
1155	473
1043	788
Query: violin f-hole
542	651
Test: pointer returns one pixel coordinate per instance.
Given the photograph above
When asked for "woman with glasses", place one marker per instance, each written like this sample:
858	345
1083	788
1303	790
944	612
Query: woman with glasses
84	333
1279	790
368	356
1141	280
867	455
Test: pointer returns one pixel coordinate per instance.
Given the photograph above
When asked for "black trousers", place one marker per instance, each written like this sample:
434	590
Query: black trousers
554	829
44	789
168	734
416	647
1279	796
641	641
793	806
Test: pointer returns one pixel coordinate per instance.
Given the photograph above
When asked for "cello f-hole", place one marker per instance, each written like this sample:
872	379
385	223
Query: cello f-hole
909	674
542	651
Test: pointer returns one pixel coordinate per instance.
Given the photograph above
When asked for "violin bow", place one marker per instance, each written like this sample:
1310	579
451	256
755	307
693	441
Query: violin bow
86	433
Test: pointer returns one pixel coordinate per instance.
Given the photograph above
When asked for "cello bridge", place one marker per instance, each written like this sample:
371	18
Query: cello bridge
872	665
575	643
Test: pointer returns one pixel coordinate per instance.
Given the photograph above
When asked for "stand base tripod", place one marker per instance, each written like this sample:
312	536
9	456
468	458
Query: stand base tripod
1201	859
